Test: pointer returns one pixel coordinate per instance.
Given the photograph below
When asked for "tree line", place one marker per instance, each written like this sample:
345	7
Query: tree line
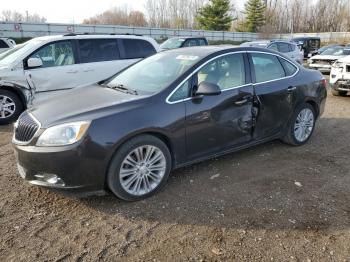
263	16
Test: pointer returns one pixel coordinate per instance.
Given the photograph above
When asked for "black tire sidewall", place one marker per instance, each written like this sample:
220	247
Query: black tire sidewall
18	103
291	127
113	181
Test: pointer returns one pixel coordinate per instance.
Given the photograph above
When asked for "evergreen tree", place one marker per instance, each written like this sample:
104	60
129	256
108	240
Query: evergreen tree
215	15
254	16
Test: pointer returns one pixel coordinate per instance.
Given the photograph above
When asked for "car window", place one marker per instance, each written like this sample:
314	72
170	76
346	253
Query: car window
190	42
181	93
289	68
226	72
292	47
56	54
202	42
273	47
137	48
97	50
3	44
267	67
283	47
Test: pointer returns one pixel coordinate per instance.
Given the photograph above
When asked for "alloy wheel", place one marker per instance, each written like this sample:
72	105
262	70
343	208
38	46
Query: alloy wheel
142	170
7	107
304	125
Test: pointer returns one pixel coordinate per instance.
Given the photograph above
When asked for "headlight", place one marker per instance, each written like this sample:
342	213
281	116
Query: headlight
338	65
65	134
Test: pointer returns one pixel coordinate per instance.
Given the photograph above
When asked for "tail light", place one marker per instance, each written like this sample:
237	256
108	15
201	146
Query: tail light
324	82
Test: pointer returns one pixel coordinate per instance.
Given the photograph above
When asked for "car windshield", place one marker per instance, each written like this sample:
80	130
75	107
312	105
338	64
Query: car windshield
155	73
172	43
336	51
11	55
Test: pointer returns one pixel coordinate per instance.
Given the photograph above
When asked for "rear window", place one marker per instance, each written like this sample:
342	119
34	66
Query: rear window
98	50
292	47
267	67
136	48
202	42
3	44
283	47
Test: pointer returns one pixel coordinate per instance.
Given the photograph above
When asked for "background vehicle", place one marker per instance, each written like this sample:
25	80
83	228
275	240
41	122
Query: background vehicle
340	77
308	44
324	61
6	44
59	63
213	101
288	48
322	49
179	42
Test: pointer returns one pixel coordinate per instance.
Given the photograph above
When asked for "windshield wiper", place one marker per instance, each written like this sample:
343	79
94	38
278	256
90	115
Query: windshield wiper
124	89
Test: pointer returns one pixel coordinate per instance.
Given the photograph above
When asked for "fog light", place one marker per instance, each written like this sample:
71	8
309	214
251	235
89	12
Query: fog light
50	179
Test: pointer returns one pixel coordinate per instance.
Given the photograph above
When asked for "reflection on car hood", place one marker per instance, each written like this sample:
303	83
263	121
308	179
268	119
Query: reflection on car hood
86	103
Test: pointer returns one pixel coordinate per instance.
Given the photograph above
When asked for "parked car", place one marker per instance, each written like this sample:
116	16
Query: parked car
288	48
58	63
322	49
308	44
179	42
172	109
324	61
6	44
340	77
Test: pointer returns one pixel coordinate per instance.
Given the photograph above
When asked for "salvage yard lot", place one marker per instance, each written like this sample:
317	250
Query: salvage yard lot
271	202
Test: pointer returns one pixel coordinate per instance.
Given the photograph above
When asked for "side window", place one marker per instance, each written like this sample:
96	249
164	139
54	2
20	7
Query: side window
289	68
226	72
267	67
56	54
202	42
273	47
3	44
181	93
283	47
190	42
292	48
136	48
97	50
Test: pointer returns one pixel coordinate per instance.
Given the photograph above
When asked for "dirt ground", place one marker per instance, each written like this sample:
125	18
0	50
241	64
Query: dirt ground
269	203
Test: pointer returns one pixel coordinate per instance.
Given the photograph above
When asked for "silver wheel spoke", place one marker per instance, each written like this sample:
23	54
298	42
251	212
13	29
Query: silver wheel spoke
304	125
142	170
7	107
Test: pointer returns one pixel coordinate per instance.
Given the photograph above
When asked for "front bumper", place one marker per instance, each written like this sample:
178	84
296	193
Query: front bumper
321	68
341	85
68	167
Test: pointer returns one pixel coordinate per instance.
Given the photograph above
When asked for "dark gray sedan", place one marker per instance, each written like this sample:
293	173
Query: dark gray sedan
173	109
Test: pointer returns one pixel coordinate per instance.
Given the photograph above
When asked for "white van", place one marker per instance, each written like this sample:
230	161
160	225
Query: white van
51	64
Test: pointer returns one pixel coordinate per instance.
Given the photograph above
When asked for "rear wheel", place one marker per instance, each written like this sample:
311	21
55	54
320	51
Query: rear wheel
10	107
338	93
301	126
140	168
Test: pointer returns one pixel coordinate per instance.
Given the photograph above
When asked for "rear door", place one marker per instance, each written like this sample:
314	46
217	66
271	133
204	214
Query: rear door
275	89
218	123
59	70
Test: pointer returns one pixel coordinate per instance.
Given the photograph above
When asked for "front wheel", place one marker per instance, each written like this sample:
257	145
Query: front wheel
140	168
301	126
10	107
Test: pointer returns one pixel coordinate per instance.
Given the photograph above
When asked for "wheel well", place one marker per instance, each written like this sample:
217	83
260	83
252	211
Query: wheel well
18	93
315	106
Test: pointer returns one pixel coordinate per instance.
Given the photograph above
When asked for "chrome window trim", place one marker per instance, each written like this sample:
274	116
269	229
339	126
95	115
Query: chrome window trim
28	142
230	53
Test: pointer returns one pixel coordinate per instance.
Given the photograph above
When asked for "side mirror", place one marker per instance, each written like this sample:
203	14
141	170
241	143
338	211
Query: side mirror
34	62
208	89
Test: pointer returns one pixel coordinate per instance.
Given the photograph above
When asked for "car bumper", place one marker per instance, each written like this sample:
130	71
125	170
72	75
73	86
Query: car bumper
68	168
341	85
321	68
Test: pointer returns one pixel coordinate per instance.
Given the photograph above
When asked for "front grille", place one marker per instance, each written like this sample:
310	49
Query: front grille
26	128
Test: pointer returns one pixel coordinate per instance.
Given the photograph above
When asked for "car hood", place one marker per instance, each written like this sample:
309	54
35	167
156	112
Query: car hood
345	59
325	57
86	103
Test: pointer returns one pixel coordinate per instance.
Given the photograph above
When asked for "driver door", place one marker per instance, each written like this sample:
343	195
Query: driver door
58	71
218	123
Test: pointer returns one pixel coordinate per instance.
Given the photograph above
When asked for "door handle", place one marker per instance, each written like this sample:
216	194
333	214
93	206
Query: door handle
291	88
72	71
243	100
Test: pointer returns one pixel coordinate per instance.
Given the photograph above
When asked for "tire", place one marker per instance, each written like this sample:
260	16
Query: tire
338	93
121	185
291	136
8	98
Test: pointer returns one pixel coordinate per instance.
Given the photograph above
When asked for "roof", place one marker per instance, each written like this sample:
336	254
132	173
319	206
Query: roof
88	36
187	37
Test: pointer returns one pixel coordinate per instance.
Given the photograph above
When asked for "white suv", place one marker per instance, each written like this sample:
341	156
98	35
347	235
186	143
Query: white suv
6	44
56	63
340	77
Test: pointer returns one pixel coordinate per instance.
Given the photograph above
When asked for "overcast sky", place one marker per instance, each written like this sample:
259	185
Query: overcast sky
67	11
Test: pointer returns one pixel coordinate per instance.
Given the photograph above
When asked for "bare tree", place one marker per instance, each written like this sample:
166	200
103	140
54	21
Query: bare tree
14	16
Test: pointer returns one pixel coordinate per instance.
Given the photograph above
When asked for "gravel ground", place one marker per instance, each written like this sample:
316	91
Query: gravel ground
269	203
